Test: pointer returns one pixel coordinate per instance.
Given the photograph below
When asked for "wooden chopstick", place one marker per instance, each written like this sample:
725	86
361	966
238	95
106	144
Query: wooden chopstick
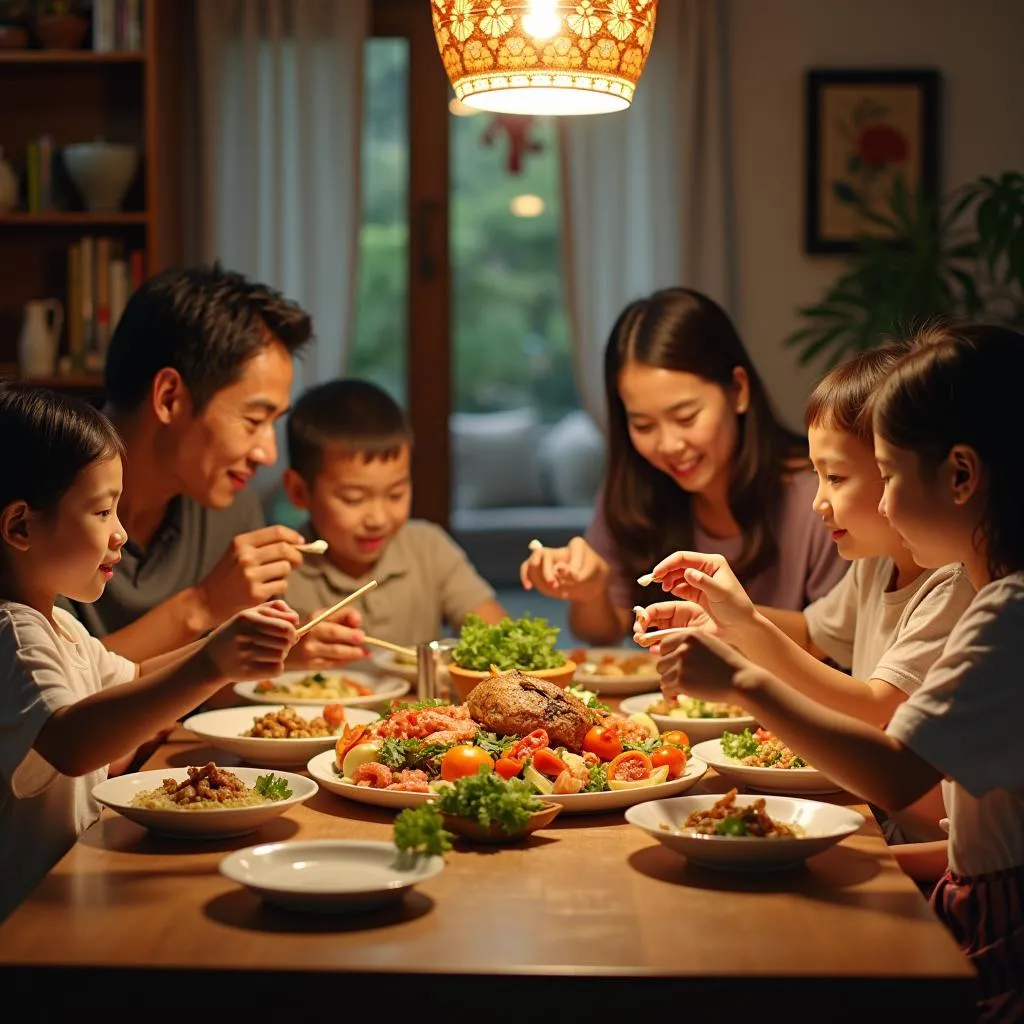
327	613
397	648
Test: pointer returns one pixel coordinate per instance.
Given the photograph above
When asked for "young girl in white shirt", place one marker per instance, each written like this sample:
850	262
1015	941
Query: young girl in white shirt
947	441
68	706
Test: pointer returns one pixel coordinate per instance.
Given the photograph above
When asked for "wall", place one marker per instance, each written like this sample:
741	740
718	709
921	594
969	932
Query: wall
976	44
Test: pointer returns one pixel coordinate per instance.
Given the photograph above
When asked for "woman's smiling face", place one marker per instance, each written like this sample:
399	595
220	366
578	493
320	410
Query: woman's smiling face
683	425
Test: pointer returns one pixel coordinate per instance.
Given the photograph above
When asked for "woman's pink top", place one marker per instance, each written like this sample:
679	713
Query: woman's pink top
807	568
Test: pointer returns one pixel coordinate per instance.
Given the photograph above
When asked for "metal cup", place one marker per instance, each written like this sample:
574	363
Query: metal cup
432	679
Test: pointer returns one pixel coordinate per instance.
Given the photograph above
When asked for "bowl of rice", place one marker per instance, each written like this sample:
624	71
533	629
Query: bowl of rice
204	802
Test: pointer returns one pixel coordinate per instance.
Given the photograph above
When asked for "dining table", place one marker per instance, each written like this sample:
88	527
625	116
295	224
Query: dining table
587	919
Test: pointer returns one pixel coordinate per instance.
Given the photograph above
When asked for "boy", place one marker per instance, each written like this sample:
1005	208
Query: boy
349	448
886	621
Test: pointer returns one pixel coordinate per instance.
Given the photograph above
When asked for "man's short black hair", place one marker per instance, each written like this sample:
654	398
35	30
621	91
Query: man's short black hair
352	416
206	323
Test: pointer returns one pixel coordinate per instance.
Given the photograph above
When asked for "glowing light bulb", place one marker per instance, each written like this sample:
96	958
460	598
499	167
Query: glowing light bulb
541	21
526	205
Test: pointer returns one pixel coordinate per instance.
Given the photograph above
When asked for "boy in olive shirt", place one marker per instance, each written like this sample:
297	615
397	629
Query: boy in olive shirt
349	449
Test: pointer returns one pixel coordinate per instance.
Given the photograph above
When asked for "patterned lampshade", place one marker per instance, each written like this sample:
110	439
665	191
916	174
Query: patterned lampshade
544	56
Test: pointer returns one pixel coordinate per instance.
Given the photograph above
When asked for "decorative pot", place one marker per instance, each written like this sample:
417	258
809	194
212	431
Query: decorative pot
61	31
40	337
472	830
102	173
464	679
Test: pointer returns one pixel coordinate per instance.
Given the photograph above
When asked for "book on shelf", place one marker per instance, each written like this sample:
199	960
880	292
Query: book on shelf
99	283
39	175
117	26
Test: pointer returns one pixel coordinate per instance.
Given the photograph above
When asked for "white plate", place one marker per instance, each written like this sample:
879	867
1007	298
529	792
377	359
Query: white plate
390	664
223	730
824	826
696	728
613	686
384	689
329	875
768	780
322	769
219	823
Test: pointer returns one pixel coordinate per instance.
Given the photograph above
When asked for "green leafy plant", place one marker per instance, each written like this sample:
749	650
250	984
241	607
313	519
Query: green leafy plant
526	643
958	257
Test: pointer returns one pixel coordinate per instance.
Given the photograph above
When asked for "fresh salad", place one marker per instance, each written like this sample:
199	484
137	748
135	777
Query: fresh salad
527	644
424	747
316	686
691	707
760	749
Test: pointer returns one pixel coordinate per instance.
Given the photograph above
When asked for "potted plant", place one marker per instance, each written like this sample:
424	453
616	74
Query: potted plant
60	25
15	19
527	644
957	257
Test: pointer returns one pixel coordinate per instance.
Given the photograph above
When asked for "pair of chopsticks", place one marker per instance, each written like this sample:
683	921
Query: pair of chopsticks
327	613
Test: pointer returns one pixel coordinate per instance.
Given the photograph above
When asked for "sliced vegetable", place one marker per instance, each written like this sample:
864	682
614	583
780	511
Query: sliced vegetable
646	722
547	762
629	766
656	778
507	768
521	750
534	777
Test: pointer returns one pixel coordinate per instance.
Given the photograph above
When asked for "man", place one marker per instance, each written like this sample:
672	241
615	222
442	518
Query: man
198	372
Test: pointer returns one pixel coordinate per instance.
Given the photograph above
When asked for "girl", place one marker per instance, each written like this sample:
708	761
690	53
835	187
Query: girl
946	425
68	706
696	461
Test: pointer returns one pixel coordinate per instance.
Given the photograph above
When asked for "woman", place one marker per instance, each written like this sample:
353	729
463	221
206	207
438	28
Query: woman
697	461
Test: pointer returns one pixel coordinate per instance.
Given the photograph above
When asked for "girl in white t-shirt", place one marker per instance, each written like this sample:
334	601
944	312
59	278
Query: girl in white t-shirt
947	441
68	706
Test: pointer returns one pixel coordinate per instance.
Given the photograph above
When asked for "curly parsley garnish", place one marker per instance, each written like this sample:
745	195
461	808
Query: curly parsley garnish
273	787
420	830
487	799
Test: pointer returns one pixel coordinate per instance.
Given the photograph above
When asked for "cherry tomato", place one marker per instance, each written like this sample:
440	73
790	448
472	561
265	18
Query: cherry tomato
464	759
630	766
672	756
527	745
675	737
507	768
603	741
547	762
334	715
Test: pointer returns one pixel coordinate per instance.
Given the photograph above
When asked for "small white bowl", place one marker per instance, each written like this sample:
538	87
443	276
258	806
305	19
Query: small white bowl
223	729
823	824
214	823
329	875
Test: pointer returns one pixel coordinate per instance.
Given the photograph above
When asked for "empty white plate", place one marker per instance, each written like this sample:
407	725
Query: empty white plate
329	875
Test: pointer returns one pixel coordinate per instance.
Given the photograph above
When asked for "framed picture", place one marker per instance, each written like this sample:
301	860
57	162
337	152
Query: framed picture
865	129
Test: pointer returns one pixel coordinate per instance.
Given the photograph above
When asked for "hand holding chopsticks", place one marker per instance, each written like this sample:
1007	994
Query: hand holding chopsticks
328	612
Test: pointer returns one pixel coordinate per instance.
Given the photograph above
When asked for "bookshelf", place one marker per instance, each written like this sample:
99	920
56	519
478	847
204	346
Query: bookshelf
73	96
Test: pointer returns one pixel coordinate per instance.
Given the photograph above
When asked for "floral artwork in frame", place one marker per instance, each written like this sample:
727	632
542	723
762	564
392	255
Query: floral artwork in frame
865	129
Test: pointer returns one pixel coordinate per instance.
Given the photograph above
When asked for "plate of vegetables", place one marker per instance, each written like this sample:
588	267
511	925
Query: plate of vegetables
414	751
760	760
699	719
351	689
614	671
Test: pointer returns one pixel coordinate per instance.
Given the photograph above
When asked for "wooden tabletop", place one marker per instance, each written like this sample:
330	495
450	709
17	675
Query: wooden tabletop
588	911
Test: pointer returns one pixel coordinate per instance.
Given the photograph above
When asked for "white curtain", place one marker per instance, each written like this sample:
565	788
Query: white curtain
279	86
647	193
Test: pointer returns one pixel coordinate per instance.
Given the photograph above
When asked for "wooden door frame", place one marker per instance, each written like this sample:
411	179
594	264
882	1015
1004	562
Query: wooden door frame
428	373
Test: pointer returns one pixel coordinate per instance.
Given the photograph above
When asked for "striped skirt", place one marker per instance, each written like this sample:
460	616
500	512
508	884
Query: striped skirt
986	916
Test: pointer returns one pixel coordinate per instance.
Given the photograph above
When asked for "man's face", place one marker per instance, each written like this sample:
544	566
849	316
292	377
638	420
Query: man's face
214	454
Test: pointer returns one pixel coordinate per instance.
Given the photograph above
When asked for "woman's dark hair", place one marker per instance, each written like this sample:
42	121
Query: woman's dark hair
49	438
206	323
647	513
353	416
960	384
844	397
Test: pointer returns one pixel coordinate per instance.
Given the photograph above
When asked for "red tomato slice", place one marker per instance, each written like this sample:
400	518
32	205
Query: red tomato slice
672	756
507	768
547	762
630	766
527	745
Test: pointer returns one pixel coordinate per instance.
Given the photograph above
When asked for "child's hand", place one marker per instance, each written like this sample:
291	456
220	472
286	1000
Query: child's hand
700	666
669	615
254	568
253	644
334	641
573	573
709	582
